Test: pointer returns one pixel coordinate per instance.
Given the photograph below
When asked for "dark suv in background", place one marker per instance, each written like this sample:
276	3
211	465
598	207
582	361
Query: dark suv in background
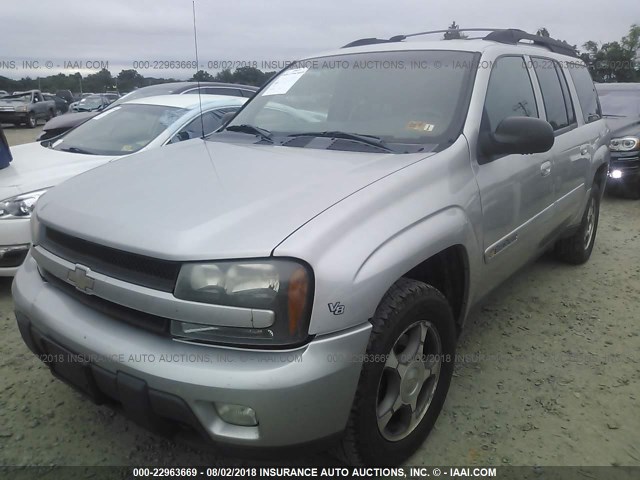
621	108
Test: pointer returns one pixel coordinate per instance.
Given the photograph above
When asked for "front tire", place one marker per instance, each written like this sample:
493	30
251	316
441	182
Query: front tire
577	248
404	382
32	121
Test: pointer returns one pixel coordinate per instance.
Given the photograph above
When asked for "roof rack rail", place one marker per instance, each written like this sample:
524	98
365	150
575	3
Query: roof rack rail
367	41
514	36
510	36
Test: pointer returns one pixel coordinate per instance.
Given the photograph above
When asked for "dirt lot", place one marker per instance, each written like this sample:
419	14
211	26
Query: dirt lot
548	375
19	135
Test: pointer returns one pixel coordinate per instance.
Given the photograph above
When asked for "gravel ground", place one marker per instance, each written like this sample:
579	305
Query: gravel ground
19	135
548	375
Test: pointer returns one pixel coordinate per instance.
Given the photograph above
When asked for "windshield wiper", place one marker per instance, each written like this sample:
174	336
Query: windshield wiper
263	133
613	115
356	137
77	150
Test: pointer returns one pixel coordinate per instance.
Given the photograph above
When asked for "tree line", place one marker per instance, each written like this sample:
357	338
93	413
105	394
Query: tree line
616	61
126	80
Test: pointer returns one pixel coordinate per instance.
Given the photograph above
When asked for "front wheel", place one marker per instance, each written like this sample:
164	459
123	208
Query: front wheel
32	121
577	248
402	389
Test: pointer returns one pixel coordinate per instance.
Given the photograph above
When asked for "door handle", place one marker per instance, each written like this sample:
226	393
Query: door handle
545	169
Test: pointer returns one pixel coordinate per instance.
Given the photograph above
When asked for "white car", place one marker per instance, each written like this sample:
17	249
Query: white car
134	126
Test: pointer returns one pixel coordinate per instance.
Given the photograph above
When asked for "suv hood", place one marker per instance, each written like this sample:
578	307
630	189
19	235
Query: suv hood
621	127
12	103
206	200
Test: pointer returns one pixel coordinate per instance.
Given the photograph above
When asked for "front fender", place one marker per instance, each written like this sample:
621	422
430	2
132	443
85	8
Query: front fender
364	244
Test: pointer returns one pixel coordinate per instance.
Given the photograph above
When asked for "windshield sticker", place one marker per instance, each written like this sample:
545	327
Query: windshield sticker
57	142
284	82
104	114
420	126
127	148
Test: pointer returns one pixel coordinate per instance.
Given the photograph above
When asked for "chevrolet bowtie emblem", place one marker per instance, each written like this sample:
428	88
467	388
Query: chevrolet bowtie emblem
79	277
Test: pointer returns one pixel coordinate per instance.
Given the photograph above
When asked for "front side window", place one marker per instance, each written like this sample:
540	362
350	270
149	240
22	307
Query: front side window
121	130
401	98
209	123
509	94
587	95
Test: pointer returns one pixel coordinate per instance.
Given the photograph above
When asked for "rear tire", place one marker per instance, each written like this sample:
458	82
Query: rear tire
577	248
404	382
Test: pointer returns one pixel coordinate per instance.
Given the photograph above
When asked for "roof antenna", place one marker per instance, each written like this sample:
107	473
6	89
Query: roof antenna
195	41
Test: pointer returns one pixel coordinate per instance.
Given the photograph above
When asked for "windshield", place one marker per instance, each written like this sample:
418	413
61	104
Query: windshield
399	98
120	130
623	103
90	102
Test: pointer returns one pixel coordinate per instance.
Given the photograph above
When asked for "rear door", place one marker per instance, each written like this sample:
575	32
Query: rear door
593	131
570	162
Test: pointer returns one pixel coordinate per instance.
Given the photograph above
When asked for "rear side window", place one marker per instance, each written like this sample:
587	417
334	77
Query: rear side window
571	112
509	94
587	95
552	95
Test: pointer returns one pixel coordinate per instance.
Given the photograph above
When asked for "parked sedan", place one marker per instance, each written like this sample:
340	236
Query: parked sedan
59	125
131	127
621	107
92	103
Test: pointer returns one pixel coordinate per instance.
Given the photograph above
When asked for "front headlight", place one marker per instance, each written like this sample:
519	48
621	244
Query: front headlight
21	108
21	205
280	287
625	144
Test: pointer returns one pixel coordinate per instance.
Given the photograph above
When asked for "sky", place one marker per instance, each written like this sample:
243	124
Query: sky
90	33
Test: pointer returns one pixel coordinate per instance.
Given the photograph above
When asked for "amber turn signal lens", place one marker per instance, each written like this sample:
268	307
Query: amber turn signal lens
298	288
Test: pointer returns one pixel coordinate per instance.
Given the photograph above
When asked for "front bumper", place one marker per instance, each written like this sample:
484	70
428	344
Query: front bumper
13	117
627	163
299	396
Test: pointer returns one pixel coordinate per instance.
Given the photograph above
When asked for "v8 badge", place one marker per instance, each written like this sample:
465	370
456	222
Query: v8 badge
336	308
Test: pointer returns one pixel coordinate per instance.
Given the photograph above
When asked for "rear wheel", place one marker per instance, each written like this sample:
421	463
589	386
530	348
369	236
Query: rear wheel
577	248
404	382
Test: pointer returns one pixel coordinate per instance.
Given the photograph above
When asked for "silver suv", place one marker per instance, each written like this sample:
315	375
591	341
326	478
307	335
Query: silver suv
303	274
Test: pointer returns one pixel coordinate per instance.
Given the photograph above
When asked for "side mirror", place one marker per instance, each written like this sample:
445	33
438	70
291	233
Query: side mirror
521	135
226	118
184	135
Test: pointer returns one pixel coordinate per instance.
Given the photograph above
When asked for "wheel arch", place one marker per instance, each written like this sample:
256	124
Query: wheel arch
448	271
